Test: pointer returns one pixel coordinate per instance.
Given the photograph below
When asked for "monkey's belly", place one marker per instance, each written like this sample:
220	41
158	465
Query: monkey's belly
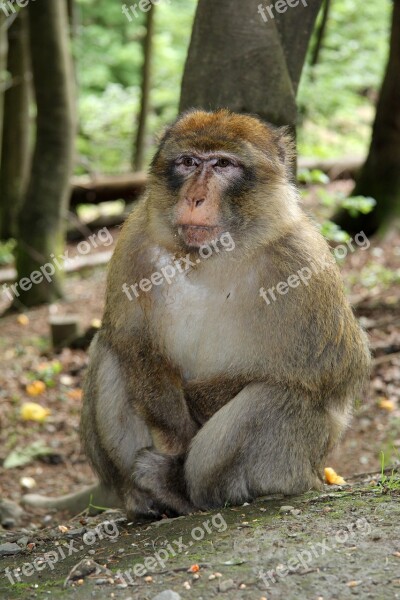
204	398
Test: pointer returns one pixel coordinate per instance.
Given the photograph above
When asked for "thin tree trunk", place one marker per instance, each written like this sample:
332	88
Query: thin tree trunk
41	226
3	69
140	145
320	35
15	144
380	175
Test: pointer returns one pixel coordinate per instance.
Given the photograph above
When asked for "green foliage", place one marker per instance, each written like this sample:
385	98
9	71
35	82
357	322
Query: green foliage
374	274
308	177
387	483
356	205
7	252
336	98
108	51
333	232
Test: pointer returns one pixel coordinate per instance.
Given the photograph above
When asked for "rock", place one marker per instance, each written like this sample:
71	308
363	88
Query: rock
10	513
286	509
226	585
167	595
9	548
23	541
76	532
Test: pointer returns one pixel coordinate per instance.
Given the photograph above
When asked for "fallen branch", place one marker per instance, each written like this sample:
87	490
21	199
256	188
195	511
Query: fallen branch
126	187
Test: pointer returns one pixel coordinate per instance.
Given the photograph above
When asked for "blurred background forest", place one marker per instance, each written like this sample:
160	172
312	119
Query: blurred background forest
86	88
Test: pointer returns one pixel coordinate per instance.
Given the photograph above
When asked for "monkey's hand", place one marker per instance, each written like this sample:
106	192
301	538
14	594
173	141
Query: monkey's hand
162	477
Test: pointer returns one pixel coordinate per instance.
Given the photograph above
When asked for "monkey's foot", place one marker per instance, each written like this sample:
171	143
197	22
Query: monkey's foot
162	477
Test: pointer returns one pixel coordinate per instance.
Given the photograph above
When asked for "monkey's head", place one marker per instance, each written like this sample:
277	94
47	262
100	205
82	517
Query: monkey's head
218	172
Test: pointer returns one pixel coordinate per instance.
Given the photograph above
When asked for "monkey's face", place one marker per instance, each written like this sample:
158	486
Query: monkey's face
213	173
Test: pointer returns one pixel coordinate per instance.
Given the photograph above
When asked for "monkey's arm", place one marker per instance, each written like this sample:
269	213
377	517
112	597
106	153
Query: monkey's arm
155	390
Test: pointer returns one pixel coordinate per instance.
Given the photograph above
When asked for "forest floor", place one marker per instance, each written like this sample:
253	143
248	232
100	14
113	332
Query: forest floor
337	545
372	279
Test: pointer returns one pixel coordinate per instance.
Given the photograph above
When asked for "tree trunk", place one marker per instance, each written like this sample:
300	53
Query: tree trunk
380	175
240	61
3	69
140	145
15	145
320	35
41	226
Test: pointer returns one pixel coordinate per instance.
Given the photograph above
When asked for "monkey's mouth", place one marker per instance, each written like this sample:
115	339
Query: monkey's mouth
195	236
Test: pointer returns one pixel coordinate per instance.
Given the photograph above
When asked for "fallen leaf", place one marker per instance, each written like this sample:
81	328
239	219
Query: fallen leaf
23	456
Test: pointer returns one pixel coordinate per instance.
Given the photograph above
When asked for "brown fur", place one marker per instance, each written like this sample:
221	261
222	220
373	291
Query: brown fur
199	393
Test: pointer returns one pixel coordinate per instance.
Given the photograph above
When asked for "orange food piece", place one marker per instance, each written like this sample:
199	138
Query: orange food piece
332	477
386	404
35	388
75	394
194	568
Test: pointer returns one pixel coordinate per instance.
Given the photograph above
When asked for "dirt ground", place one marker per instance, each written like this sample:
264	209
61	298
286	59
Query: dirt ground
342	544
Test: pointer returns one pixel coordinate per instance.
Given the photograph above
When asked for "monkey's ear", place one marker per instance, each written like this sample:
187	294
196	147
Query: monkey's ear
286	149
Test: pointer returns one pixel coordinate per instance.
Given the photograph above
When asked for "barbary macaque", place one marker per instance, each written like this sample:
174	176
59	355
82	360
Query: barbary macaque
199	392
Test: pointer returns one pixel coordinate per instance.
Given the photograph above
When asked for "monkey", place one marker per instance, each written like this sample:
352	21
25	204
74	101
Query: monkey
199	392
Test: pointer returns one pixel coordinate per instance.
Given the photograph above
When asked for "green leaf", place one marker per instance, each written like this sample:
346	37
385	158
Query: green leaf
23	456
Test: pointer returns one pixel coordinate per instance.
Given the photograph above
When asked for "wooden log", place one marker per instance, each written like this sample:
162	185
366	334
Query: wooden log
335	168
126	187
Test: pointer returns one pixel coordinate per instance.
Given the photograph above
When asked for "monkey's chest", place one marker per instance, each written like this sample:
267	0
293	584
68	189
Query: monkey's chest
207	331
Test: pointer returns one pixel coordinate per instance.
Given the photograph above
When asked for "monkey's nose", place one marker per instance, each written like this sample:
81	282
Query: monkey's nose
195	202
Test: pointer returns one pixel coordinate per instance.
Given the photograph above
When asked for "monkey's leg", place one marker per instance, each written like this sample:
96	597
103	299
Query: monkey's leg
112	432
268	439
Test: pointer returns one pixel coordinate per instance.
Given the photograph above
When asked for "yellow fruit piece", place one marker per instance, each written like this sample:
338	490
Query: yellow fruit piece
35	388
386	404
22	320
332	477
30	411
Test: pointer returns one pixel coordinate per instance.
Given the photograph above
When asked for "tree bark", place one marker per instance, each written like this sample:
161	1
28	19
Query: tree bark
3	69
239	61
140	141
15	144
380	175
40	223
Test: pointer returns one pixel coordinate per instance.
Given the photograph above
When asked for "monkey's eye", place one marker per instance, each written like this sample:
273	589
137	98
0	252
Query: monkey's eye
223	162
188	161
